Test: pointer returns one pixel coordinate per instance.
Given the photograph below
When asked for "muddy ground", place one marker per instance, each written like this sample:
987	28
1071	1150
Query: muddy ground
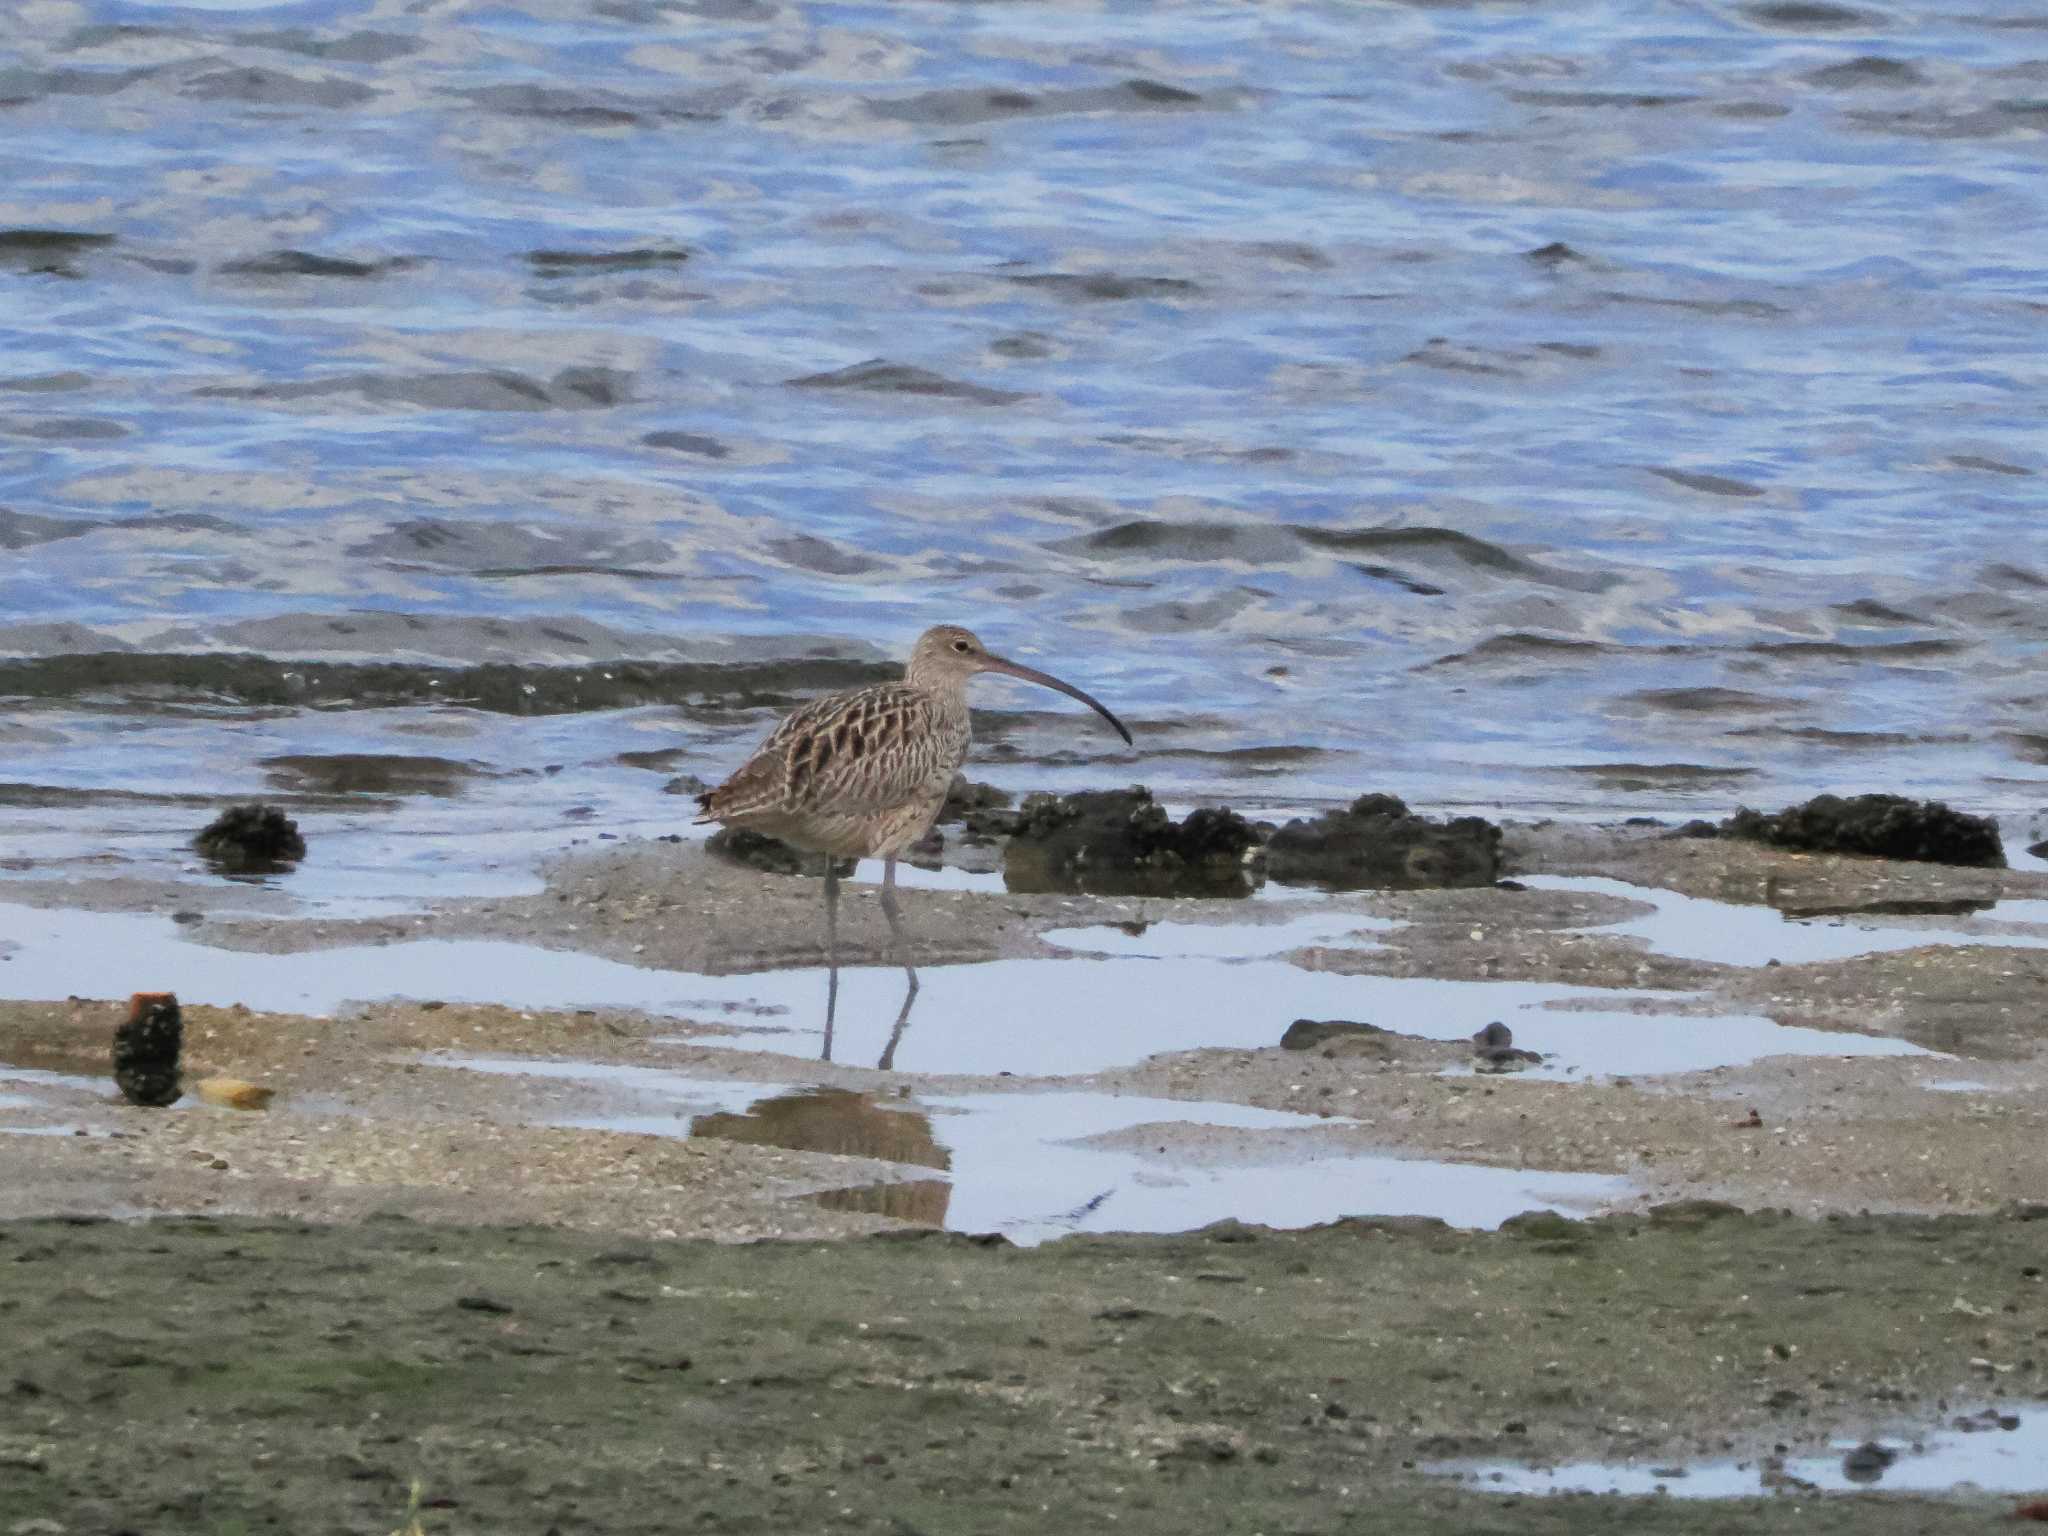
295	1377
204	1375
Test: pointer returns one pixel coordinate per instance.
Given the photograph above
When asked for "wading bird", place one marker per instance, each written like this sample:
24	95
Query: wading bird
863	773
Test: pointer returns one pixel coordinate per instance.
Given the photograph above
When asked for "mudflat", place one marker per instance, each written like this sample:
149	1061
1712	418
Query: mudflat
211	1375
543	1290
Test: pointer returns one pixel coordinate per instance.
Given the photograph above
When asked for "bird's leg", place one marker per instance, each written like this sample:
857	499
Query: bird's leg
890	911
888	1061
831	951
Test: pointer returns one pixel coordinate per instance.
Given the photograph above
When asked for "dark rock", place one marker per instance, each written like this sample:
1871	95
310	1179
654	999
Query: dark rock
146	1049
1118	842
1307	1034
251	840
1698	829
769	854
928	852
1867	1463
685	784
967	797
2039	850
1378	843
1494	1050
1882	826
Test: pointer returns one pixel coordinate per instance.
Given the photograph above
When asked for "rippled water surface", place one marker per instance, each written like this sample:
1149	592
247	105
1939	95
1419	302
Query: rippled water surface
1569	404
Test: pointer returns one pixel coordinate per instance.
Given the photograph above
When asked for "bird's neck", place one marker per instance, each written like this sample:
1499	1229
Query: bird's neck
948	690
938	681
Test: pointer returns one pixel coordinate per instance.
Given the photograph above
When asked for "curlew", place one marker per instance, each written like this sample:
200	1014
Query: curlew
863	773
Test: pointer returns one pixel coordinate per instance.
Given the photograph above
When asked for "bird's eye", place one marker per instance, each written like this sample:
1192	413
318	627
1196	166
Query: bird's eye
961	646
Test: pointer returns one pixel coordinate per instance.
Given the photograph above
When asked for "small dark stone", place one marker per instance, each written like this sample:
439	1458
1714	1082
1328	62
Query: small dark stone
251	840
769	854
1307	1034
480	1304
1120	843
146	1049
1379	844
2039	850
685	784
1555	254
1700	829
1867	1463
1494	1050
1882	826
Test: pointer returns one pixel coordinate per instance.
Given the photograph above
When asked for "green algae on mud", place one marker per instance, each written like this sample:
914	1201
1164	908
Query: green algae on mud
210	1375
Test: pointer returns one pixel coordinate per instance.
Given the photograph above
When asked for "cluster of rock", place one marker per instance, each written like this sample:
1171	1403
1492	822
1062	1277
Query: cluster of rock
249	840
1122	842
1877	826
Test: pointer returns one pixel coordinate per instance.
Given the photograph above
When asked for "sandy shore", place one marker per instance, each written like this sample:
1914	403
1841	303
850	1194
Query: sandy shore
372	1120
359	1120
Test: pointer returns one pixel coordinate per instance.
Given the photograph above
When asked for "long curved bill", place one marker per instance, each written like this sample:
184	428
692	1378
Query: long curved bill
1047	680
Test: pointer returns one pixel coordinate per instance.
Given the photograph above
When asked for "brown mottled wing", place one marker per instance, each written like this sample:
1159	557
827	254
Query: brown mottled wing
856	754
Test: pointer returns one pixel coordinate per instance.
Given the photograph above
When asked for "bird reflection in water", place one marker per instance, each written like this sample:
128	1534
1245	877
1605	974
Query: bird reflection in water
849	1124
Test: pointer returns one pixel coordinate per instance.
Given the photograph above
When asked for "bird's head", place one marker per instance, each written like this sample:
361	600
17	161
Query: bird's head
946	656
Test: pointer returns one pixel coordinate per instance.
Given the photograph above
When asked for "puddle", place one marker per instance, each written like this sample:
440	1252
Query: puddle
1992	1458
1217	941
1960	906
1728	933
1958	1085
1034	1166
913	877
1583	1043
1036	1017
102	1086
1068	1017
2030	909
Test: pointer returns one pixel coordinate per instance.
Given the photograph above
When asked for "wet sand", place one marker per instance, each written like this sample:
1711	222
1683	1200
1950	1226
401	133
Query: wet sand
1165	1386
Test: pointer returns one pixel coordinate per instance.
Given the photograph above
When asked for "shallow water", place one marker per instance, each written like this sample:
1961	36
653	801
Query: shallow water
1988	1457
1173	987
1731	933
1606	403
1039	1165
